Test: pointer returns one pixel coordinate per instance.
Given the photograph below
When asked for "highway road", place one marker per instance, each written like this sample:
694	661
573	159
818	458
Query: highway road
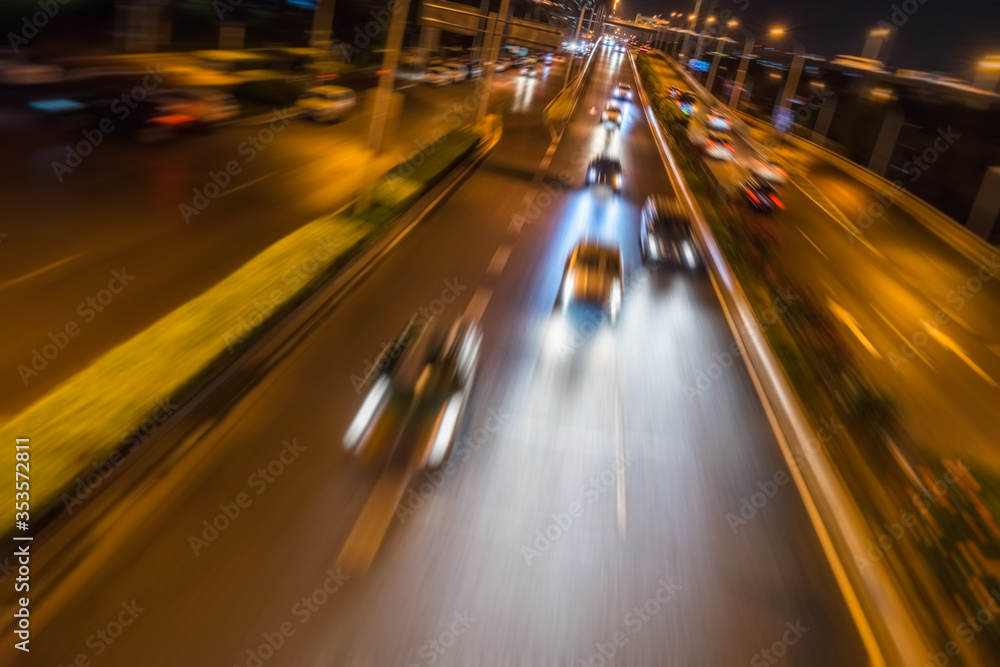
587	439
120	208
919	314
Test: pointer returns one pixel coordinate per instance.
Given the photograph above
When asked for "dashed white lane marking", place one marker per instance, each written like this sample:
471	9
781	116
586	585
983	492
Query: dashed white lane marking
906	341
813	243
247	184
499	259
477	305
620	467
949	344
38	272
841	314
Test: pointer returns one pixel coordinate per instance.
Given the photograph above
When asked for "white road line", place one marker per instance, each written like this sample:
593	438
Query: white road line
38	272
841	314
499	259
620	466
948	343
477	305
906	340
813	243
247	184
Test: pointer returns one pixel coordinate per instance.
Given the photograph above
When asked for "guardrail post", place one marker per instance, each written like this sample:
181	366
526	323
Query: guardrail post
983	217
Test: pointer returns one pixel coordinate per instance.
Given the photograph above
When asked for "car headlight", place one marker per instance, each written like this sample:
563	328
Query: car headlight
567	291
591	175
618	181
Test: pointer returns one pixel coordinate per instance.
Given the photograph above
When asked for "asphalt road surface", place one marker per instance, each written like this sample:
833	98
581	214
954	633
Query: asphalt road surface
589	440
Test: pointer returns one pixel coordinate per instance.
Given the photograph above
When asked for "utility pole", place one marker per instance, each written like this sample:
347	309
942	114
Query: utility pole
383	93
499	33
576	44
322	30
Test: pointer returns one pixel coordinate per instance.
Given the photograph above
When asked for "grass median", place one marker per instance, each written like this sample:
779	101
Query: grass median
89	422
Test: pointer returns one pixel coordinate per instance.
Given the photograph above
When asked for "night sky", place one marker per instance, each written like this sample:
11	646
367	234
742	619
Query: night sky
941	35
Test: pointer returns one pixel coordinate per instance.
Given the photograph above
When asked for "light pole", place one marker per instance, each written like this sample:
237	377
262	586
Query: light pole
693	23
987	73
794	71
496	39
734	96
699	46
874	43
383	94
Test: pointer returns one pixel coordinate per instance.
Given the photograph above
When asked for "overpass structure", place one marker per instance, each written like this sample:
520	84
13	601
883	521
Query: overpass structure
438	15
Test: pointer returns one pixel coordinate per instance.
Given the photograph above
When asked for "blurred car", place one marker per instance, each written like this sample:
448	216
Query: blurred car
623	91
665	234
686	102
207	105
439	76
674	92
148	121
475	70
326	104
606	172
547	58
719	146
593	276
765	170
503	63
612	116
619	48
760	195
413	411
459	71
530	70
716	121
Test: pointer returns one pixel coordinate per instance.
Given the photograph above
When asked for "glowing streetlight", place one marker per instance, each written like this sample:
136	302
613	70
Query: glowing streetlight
987	73
733	23
777	31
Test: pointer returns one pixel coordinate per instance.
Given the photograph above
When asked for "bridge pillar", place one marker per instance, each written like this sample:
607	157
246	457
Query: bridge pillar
430	40
983	217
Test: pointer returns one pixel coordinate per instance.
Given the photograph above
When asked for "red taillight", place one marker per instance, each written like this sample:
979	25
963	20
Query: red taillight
778	202
174	119
753	196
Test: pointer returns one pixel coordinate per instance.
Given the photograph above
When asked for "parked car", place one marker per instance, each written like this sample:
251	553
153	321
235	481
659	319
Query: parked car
459	71
207	105
327	103
439	76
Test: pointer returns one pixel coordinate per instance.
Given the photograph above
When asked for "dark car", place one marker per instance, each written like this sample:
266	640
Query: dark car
760	195
606	172
665	235
419	389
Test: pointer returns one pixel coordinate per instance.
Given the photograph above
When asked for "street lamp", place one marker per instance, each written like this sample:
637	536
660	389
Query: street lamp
874	43
987	73
794	71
